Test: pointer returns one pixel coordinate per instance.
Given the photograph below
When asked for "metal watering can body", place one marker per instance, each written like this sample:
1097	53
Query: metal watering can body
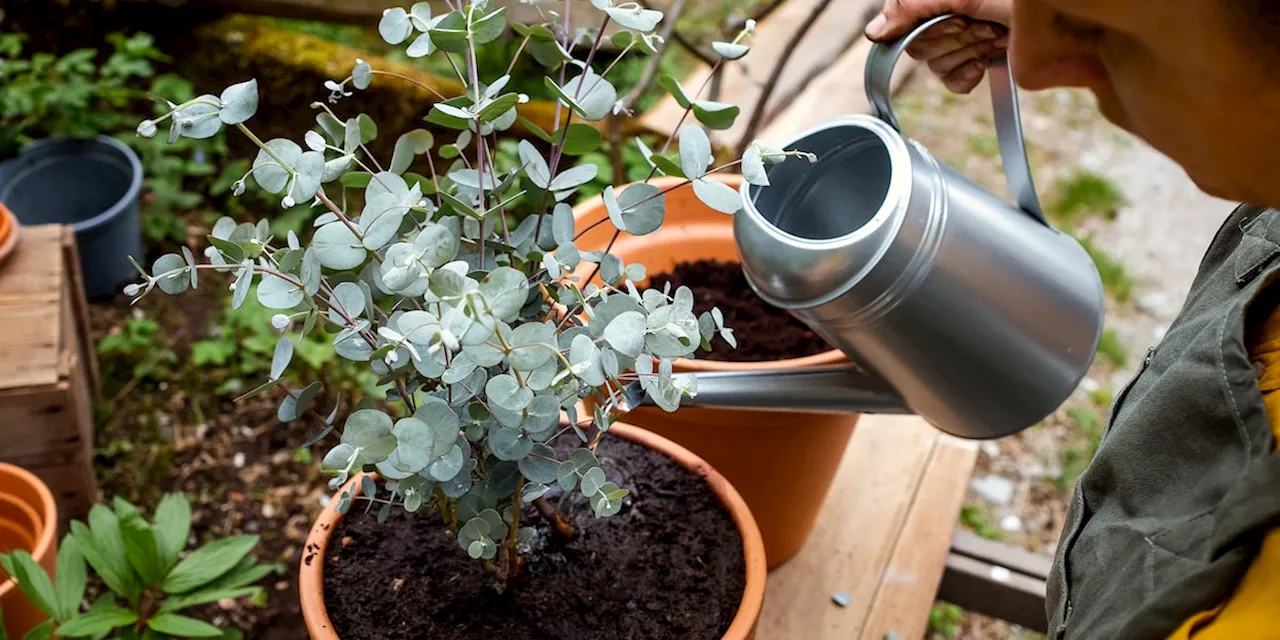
978	314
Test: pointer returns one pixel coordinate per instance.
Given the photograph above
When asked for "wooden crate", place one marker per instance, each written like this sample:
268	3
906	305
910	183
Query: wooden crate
48	370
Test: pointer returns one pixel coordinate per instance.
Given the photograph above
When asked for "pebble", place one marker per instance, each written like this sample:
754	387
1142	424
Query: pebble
238	460
1089	385
1158	332
324	500
994	489
841	598
268	510
1011	523
990	449
1153	303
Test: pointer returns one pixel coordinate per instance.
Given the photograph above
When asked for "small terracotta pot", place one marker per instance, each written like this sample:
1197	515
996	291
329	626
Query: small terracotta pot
28	522
782	462
311	573
9	229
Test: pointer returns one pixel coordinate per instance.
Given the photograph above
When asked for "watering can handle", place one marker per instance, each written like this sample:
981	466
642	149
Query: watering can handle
881	62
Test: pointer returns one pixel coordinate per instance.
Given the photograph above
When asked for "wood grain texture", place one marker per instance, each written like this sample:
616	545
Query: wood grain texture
855	536
31	309
909	584
47	367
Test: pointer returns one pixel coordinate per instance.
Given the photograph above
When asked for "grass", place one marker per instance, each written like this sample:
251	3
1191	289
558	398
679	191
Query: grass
1089	425
977	518
945	618
1115	278
1085	194
1112	350
983	144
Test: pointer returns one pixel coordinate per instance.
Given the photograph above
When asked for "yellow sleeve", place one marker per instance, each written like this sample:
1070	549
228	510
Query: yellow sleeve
1251	610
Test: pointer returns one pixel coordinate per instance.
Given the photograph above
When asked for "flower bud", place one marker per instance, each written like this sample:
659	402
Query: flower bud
132	289
147	128
280	321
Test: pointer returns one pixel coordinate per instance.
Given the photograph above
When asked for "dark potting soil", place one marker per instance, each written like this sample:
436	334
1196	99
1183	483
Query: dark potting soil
669	565
764	332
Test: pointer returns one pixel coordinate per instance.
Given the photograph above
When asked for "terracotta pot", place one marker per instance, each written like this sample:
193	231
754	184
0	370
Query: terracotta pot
782	462
311	574
8	232
28	521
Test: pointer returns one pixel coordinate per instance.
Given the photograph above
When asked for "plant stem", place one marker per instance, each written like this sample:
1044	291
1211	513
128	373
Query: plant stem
446	511
417	83
514	562
558	523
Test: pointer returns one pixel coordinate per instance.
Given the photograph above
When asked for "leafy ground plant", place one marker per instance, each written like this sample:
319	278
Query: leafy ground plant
485	334
148	581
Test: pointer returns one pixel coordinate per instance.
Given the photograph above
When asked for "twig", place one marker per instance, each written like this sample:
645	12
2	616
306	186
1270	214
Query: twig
549	513
757	115
651	70
760	14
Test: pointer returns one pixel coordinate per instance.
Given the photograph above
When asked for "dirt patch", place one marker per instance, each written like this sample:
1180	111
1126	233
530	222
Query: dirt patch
669	565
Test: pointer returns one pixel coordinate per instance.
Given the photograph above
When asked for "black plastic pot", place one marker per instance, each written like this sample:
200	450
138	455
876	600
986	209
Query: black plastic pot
91	184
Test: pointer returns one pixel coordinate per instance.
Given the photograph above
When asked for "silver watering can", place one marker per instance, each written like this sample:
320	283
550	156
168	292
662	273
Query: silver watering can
971	312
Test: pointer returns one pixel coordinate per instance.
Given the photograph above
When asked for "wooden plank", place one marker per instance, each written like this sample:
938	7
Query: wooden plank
839	91
1013	558
30	308
854	538
79	310
835	30
909	584
994	591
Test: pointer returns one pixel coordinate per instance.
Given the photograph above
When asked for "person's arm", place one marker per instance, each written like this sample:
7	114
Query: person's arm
956	50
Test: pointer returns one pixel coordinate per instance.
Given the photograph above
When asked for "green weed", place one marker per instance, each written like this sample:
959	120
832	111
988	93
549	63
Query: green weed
1111	349
1075	458
977	519
945	619
1115	278
1082	194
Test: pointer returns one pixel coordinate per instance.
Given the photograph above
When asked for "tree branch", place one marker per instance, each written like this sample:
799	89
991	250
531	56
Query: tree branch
757	115
651	70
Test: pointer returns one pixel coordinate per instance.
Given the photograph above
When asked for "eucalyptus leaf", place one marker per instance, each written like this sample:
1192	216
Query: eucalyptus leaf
276	292
730	50
336	247
281	357
695	151
395	26
625	333
239	102
717	195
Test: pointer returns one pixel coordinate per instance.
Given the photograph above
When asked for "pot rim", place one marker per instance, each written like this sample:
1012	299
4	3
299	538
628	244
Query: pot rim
595	205
47	511
311	569
121	205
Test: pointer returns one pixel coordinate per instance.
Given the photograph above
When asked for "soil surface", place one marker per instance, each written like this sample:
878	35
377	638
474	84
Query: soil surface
669	565
764	333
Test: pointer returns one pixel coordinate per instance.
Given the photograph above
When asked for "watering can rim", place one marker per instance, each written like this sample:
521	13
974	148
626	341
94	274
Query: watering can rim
895	198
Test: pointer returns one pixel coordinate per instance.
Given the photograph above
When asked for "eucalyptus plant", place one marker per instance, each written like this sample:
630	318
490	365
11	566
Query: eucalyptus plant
485	332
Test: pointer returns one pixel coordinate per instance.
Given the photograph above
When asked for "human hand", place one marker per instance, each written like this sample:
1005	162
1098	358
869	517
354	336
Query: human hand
958	49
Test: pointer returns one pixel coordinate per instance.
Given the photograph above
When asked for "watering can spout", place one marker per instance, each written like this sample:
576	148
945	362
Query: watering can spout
832	389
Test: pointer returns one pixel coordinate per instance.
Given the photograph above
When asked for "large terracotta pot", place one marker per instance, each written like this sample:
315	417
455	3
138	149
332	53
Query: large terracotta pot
28	522
782	462
311	573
